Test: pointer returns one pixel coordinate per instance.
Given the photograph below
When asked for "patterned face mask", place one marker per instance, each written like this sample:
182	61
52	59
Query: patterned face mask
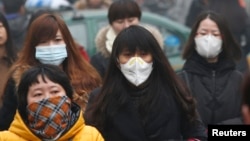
49	118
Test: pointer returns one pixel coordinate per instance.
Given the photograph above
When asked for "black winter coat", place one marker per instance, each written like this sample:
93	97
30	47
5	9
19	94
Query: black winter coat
9	107
216	88
164	122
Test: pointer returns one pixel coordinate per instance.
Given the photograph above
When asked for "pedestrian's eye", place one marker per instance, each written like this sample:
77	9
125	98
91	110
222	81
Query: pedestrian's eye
127	54
54	92
216	34
37	94
202	33
119	21
58	39
131	20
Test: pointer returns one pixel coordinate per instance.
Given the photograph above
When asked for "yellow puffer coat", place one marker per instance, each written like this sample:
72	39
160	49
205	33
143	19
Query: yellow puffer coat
18	131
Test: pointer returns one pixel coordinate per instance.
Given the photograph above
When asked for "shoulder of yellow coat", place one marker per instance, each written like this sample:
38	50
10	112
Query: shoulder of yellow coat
10	136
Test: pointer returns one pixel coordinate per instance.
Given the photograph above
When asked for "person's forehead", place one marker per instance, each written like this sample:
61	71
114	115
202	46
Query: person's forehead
208	25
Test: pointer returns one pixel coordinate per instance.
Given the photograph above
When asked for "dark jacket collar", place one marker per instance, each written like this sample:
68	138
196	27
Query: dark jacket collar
198	65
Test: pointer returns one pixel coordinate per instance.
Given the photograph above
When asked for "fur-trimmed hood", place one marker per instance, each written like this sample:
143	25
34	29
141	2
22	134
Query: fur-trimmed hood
101	38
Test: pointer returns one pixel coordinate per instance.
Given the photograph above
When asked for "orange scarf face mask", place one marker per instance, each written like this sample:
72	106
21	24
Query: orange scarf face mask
49	118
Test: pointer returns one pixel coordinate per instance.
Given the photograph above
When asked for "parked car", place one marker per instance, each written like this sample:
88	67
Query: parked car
85	24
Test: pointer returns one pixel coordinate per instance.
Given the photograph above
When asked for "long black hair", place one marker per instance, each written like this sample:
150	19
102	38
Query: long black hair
114	92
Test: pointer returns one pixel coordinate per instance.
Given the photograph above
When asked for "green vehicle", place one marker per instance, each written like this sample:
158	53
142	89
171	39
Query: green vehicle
85	24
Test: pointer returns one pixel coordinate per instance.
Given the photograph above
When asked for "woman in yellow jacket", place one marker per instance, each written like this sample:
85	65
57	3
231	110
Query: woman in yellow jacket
46	110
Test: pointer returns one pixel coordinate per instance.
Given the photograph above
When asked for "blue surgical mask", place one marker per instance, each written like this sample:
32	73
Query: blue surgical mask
53	54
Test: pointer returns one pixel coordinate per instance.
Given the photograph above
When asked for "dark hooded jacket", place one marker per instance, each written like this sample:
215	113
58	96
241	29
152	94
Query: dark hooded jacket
216	87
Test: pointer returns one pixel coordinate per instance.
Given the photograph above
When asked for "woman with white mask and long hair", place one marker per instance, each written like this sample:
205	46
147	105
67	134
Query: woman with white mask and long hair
142	98
211	54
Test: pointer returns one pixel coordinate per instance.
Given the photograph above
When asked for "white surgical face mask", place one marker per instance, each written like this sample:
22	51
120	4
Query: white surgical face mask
136	70
208	46
54	54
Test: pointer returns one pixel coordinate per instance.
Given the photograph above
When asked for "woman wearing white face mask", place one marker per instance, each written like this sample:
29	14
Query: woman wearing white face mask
141	98
211	54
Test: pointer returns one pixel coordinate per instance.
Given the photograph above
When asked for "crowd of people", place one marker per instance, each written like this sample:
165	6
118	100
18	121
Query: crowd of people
52	90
